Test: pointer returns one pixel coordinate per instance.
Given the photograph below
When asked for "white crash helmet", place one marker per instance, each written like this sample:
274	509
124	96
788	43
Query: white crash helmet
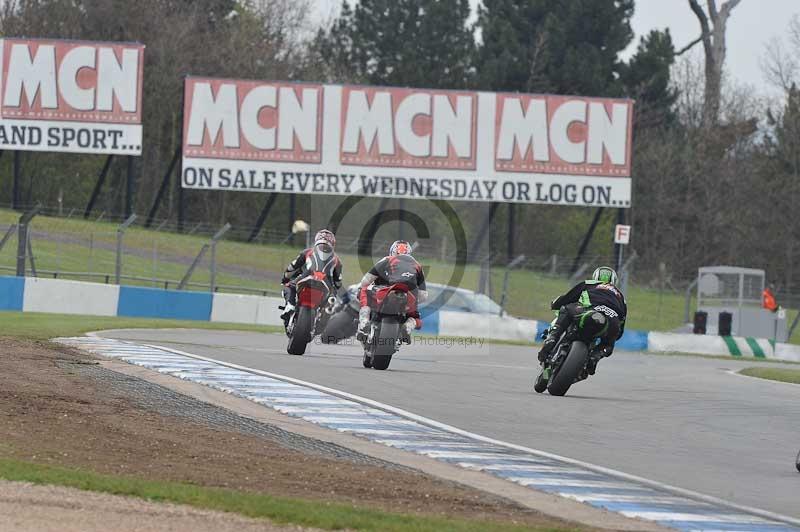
324	244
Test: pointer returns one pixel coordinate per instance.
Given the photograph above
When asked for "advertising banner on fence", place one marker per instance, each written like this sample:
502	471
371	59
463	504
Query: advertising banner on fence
71	96
310	138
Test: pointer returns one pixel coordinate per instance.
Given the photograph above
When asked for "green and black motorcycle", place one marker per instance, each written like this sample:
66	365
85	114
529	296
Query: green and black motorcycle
569	359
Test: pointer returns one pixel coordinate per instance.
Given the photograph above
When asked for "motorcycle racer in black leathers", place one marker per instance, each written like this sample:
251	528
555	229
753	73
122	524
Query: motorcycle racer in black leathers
320	257
399	267
600	294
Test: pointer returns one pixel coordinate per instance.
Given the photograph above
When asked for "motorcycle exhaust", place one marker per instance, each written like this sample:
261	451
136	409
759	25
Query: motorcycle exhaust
331	303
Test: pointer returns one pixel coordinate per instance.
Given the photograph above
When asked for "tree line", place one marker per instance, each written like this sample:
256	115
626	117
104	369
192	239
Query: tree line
715	167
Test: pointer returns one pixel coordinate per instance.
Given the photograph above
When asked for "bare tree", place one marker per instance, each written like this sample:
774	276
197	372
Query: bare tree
780	66
713	24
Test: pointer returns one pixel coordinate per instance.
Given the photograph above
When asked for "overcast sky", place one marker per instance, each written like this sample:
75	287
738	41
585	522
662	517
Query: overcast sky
752	24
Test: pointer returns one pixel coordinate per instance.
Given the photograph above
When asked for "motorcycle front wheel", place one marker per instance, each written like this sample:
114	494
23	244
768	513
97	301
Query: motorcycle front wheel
301	333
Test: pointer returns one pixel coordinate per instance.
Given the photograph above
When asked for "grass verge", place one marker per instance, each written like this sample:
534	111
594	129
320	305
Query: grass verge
277	509
39	326
774	374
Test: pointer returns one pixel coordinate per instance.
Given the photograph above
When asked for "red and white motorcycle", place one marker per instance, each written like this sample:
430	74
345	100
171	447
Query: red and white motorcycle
314	308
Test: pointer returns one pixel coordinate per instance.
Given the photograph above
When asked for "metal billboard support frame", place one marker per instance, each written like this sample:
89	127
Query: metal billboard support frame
129	186
618	248
15	193
162	188
181	202
372	230
101	179
587	238
263	216
484	230
511	232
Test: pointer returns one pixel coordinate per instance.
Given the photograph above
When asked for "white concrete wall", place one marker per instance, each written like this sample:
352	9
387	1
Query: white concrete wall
486	326
714	345
787	352
268	312
70	297
254	310
234	308
687	343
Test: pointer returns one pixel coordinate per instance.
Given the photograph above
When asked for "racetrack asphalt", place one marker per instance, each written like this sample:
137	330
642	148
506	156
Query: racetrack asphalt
683	421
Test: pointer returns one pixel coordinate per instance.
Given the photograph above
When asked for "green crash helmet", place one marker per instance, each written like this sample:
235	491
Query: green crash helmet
604	274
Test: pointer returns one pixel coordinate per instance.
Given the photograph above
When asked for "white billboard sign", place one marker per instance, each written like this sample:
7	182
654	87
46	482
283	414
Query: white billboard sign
413	143
71	96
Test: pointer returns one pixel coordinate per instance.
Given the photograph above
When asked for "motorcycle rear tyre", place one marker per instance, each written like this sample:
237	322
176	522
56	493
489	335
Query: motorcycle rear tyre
569	370
385	344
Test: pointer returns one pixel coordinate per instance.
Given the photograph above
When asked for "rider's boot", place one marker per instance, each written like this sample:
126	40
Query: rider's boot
550	342
591	364
405	330
594	358
287	313
363	324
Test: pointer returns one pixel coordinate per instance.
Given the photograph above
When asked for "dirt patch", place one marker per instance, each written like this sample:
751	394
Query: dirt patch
52	412
30	508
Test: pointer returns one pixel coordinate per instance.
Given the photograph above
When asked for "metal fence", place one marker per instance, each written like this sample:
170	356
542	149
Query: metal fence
219	258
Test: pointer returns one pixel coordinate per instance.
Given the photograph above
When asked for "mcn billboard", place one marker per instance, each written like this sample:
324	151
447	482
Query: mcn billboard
397	142
71	96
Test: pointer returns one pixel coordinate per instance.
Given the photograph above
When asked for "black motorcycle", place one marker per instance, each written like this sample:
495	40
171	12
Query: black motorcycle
343	322
385	333
569	359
